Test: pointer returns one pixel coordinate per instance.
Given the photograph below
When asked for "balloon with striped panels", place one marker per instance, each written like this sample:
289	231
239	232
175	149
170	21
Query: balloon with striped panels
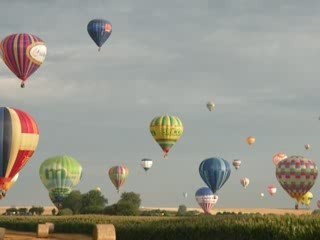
99	30
215	172
118	176
23	54
297	175
146	163
19	137
206	199
166	131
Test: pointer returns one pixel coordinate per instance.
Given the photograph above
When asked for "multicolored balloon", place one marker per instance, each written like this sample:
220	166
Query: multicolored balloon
278	158
251	140
236	163
19	137
60	174
146	163
118	176
210	106
245	182
206	199
307	146
166	130
306	199
23	54
272	190
99	30
297	175
214	172
7	186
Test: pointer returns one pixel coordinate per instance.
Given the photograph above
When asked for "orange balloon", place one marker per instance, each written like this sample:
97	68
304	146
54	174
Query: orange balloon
251	140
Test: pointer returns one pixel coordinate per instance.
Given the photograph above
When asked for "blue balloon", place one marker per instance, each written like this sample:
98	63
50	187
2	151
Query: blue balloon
204	191
214	172
99	30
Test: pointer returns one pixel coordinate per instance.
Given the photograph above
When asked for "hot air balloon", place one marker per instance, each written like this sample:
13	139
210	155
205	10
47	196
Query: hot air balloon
297	175
99	30
146	163
278	158
272	190
19	137
185	194
261	195
251	140
8	185
118	176
245	182
318	203
210	106
166	130
307	146
60	174
236	163
206	199
214	172
98	189
306	199
23	54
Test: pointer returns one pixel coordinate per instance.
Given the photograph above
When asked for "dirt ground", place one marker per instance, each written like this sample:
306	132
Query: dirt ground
12	235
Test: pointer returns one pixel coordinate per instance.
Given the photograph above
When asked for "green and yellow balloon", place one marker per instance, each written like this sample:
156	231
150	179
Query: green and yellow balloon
166	131
60	174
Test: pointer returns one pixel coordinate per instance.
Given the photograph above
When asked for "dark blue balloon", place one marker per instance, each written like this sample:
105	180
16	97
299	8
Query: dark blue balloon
214	172
204	191
99	30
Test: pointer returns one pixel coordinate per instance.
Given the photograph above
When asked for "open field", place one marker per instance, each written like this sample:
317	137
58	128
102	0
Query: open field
13	235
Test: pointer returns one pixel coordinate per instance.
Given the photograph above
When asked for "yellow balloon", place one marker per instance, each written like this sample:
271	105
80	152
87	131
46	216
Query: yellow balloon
306	199
251	140
166	130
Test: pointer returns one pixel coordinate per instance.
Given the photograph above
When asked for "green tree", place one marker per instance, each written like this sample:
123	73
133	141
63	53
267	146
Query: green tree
94	200
130	197
65	212
23	211
126	208
73	202
182	210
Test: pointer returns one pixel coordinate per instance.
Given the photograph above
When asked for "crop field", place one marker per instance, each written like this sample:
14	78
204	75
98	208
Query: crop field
223	226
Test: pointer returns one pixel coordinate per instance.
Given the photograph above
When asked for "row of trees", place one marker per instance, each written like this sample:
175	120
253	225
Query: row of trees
93	202
25	211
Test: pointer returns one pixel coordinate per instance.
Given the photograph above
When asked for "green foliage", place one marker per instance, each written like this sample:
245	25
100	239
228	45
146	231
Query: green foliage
92	200
130	197
126	208
65	212
227	226
182	210
11	211
36	210
73	202
54	211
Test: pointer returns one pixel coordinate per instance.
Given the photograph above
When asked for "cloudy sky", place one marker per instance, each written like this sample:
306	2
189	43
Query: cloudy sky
257	60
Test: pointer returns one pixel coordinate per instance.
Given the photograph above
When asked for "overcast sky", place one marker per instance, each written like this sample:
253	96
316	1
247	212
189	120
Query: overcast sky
257	60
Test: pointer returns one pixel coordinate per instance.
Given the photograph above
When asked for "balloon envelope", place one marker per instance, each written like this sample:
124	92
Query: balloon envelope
297	175
210	106
278	158
251	140
60	174
166	131
206	199
214	172
307	146
118	176
272	190
19	137
99	30
245	182
23	54
236	163
306	199
146	163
